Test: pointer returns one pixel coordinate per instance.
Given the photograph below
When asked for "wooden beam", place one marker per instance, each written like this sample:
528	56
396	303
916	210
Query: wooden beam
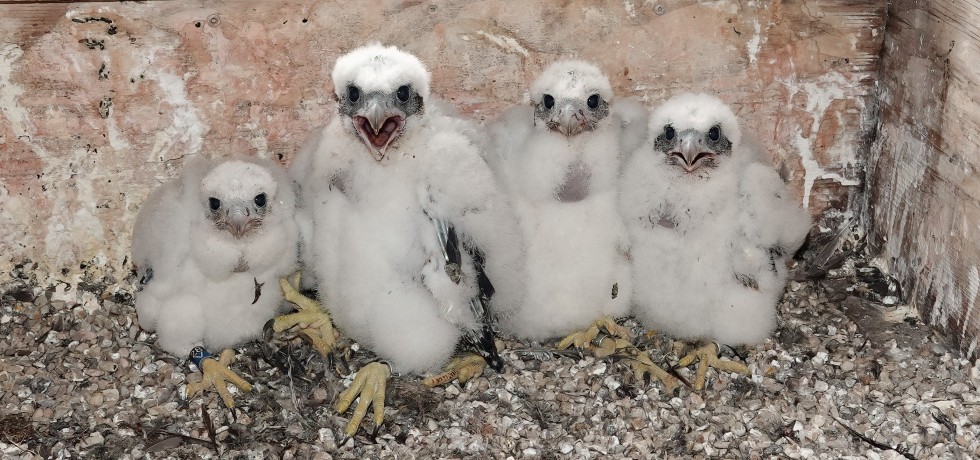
924	185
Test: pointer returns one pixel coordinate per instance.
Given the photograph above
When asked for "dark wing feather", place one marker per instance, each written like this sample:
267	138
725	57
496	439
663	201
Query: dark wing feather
481	340
484	340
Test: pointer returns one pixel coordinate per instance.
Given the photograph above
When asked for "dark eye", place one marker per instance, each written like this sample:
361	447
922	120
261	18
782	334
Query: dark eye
593	101
260	200
214	203
353	94
714	133
669	132
403	93
549	101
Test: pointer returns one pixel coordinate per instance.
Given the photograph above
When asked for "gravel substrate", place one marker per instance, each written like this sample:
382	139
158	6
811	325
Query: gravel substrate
843	377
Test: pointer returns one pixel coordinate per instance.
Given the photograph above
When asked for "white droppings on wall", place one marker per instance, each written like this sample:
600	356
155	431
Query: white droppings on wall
73	230
508	44
116	138
948	297
15	217
755	43
186	125
630	9
820	95
10	92
972	291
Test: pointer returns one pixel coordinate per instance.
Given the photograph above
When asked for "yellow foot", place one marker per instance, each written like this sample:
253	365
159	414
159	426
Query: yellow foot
217	375
707	356
639	361
585	339
462	369
313	321
369	386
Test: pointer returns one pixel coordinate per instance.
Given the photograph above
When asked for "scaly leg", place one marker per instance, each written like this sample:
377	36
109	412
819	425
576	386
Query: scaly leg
216	374
369	386
463	369
639	361
584	339
707	356
313	321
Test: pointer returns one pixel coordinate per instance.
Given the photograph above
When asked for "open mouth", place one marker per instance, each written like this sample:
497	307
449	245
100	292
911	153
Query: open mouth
379	140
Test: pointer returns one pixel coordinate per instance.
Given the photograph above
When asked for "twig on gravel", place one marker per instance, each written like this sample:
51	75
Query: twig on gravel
904	452
172	440
208	424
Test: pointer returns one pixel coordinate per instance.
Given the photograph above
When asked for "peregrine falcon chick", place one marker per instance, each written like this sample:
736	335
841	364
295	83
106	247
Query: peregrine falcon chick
209	248
711	225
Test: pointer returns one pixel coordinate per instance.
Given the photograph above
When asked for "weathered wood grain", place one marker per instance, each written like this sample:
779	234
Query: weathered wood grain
925	193
100	102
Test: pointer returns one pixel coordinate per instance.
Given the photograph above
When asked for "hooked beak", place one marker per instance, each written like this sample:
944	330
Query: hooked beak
379	127
569	121
239	220
690	151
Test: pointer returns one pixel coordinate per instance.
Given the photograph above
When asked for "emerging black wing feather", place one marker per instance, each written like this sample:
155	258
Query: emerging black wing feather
482	340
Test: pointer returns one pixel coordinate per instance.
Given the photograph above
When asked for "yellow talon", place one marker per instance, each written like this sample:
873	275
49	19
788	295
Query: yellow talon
463	369
369	387
707	357
217	375
584	339
314	321
639	361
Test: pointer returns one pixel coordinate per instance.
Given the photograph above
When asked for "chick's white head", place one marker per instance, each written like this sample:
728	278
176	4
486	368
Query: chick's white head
570	97
695	132
239	196
380	90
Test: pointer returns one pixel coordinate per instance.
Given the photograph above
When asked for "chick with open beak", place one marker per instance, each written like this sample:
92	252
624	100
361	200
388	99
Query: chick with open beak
379	114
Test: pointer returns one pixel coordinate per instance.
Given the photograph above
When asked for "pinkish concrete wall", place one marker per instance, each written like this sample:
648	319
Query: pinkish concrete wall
100	102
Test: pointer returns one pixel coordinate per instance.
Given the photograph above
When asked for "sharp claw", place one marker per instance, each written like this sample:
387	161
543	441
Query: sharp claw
707	356
314	322
268	330
294	279
369	387
463	368
217	375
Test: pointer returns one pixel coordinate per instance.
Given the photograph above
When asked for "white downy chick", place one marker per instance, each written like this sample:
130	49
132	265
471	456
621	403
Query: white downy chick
711	223
210	247
560	159
402	209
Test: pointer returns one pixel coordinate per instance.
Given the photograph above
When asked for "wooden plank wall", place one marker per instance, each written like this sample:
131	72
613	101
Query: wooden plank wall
101	101
924	203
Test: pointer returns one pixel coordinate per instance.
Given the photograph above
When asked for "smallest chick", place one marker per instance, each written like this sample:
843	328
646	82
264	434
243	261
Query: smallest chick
210	247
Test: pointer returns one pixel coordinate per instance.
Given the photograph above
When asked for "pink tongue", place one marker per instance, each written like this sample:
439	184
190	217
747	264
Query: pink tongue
380	139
